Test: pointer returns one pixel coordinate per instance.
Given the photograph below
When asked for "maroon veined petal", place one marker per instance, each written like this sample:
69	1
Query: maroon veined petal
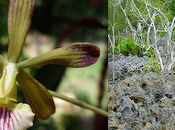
15	116
76	55
88	54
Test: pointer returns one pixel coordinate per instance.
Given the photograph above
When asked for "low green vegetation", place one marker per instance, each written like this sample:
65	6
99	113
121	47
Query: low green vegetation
153	65
129	46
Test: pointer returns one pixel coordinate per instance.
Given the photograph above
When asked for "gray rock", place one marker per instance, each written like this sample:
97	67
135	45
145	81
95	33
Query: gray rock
124	66
145	102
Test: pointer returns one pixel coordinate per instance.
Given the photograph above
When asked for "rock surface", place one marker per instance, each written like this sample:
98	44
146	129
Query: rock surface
124	66
142	102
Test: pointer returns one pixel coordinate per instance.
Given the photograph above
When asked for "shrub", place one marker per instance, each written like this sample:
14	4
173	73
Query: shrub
129	46
152	65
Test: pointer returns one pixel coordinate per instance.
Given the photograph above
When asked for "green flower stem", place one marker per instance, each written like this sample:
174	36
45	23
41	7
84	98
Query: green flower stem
3	61
79	103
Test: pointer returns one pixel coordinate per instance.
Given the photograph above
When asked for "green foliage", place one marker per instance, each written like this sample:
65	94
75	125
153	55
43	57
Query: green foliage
167	8
153	65
110	49
129	46
116	15
136	73
150	51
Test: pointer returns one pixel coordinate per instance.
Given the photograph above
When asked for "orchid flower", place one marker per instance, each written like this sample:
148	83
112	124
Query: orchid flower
14	116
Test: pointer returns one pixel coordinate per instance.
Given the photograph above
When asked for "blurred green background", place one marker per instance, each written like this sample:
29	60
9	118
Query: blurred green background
58	23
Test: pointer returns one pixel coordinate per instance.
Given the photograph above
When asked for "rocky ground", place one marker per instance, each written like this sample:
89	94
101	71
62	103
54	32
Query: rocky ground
139	102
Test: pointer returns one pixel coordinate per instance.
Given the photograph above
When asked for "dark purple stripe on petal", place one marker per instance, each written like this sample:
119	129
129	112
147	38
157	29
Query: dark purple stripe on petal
15	118
89	54
17	9
11	120
26	9
19	115
8	122
5	118
1	112
91	50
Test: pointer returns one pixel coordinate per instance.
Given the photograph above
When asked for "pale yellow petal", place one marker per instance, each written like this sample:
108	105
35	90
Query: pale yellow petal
19	20
8	88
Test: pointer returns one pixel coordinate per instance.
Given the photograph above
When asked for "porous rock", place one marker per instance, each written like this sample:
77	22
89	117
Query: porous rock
123	66
143	102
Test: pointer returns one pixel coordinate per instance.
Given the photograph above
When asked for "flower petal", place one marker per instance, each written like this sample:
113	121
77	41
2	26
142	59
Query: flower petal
8	88
36	95
19	20
16	116
76	55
